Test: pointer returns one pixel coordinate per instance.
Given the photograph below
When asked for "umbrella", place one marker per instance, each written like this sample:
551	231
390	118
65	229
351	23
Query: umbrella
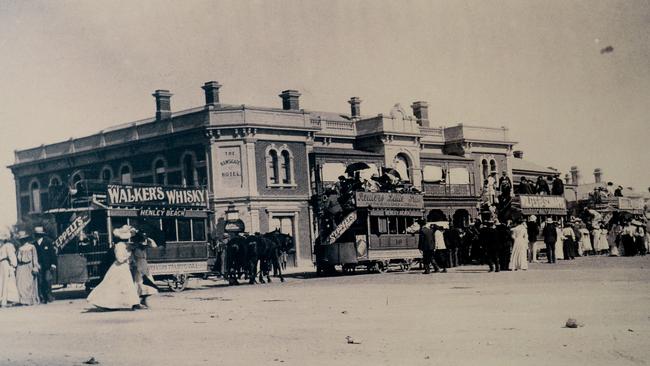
356	167
391	171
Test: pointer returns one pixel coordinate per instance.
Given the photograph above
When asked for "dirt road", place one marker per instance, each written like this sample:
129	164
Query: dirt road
465	317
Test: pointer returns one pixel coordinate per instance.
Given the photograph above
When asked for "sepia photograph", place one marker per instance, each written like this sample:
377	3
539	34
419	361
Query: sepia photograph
324	182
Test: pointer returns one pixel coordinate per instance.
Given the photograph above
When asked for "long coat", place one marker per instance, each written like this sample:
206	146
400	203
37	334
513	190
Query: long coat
427	241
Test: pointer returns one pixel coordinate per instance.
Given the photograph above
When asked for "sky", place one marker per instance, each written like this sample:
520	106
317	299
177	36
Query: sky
72	68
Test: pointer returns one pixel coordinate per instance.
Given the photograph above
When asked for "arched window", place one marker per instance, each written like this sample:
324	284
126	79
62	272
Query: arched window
35	196
189	170
160	171
126	174
493	166
402	166
272	168
76	178
285	167
55	181
485	172
106	175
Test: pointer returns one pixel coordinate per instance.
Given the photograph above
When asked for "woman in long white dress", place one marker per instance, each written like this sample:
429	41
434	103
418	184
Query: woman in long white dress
8	264
611	240
519	256
585	241
559	243
27	270
117	290
601	246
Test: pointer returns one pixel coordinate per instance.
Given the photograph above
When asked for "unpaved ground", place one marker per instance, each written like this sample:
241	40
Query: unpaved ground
465	317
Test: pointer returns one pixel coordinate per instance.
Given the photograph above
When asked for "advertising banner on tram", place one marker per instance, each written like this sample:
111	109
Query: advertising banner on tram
153	195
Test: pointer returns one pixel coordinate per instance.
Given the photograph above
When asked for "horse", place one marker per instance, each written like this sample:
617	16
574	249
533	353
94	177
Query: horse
237	253
278	243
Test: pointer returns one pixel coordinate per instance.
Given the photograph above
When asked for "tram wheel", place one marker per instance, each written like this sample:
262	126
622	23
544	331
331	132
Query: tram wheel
178	282
382	267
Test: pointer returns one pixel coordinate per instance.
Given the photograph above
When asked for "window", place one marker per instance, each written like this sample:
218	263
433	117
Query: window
169	228
330	172
189	170
279	166
493	166
272	167
106	175
285	167
184	230
125	175
35	197
198	229
484	169
401	164
458	175
282	223
160	172
433	174
76	178
55	181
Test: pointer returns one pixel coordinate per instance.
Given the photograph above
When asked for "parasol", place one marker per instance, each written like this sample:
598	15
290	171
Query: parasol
391	172
350	169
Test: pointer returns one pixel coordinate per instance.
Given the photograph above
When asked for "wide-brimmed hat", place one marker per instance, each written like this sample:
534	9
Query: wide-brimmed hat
549	220
532	218
22	234
39	230
636	223
125	232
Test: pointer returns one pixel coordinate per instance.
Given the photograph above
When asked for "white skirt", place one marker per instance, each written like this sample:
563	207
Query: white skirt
117	290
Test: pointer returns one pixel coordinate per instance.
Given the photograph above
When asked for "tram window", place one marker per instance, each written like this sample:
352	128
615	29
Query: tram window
392	225
169	228
401	225
184	230
383	225
374	225
409	221
198	229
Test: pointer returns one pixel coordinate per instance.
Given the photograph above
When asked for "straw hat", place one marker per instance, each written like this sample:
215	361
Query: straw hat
22	234
549	220
39	230
125	232
532	218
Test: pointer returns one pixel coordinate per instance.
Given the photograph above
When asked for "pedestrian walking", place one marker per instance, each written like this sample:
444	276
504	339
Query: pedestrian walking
519	257
8	264
639	237
140	267
27	270
117	290
47	261
427	246
550	238
559	243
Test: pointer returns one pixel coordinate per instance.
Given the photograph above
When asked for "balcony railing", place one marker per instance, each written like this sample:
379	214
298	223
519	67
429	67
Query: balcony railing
448	190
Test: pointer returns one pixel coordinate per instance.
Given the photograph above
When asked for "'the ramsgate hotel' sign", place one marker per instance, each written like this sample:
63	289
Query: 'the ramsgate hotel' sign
131	195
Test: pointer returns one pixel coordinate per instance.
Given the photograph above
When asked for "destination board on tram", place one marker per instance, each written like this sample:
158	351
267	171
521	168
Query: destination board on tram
389	200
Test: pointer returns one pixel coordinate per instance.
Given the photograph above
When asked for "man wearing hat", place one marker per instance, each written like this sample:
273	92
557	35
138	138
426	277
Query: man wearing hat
47	261
427	246
550	237
489	239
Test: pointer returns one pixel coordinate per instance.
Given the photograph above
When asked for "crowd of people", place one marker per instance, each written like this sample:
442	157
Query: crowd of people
28	264
500	190
512	245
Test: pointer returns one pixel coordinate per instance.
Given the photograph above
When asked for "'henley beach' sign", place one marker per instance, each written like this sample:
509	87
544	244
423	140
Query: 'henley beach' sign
130	195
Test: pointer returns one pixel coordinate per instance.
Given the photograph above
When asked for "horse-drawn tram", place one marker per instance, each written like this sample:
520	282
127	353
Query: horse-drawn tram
376	232
176	218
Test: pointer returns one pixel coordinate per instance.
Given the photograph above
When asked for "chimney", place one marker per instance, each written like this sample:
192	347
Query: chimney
290	100
567	178
211	92
575	175
355	107
518	154
421	113
163	104
598	175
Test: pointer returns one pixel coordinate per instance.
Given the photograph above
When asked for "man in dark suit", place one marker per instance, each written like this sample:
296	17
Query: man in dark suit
489	238
550	237
557	187
427	246
47	260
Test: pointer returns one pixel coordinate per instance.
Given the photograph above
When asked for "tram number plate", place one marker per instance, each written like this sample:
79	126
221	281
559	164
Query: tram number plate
177	268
